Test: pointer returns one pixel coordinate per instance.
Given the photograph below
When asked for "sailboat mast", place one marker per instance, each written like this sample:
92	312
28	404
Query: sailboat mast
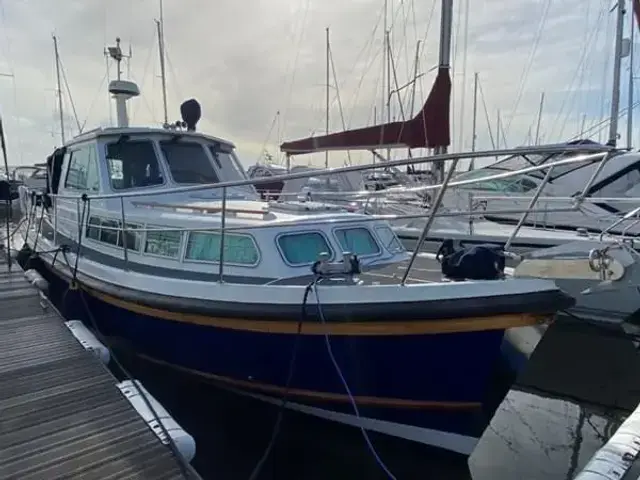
160	27
444	61
617	63
59	89
388	55
474	126
537	140
326	120
416	63
630	93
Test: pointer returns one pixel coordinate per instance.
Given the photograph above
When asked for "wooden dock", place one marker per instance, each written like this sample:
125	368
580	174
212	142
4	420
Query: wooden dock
61	414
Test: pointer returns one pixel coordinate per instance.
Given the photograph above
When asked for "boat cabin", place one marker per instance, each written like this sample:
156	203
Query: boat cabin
169	229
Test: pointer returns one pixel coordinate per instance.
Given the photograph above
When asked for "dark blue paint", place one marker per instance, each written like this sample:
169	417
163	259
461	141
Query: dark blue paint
444	367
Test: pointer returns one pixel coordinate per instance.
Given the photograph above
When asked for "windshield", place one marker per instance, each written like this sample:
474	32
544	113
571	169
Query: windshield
521	161
229	166
188	162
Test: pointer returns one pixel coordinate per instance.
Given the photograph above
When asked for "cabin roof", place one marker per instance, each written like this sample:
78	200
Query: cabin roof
239	213
112	131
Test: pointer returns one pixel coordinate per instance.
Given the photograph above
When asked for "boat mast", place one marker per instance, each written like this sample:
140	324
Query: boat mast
326	119
474	120
617	61
474	125
416	63
385	87
160	28
444	62
59	89
388	55
630	93
537	140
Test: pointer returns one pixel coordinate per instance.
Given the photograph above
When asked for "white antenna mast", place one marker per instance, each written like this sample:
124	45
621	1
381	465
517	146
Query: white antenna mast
122	90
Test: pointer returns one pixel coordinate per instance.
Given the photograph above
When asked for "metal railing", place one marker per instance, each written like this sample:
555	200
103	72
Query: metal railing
432	213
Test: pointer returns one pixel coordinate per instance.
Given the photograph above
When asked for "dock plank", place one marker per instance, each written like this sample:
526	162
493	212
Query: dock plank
61	414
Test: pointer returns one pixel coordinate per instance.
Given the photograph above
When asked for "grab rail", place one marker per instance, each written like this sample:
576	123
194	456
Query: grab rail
601	155
390	163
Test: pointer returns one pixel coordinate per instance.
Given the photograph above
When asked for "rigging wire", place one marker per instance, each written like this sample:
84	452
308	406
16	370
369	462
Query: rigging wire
335	82
609	41
266	140
585	51
603	124
150	54
174	77
9	59
66	85
586	68
95	98
588	47
486	114
294	70
527	69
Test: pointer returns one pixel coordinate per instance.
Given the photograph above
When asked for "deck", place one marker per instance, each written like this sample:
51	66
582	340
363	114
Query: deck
61	414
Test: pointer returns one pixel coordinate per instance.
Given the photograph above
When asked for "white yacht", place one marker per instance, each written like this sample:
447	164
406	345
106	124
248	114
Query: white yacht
613	192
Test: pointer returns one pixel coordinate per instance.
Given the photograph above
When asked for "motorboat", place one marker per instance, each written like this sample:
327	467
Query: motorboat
171	246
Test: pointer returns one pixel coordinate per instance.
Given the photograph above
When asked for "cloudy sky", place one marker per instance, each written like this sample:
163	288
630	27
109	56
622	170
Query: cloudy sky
247	60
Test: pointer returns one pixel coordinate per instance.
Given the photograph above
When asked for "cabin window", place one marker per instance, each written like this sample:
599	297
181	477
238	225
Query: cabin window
225	159
133	238
358	241
389	239
303	248
188	162
133	164
82	173
93	228
163	243
230	168
620	185
238	249
110	231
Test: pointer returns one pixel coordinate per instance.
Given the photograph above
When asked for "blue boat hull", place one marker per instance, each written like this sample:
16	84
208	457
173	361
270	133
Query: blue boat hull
431	382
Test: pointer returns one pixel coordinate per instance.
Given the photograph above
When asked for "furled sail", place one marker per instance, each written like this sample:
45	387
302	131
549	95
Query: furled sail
428	129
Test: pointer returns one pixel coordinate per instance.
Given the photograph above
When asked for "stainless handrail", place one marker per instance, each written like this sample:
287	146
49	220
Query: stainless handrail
223	223
337	221
436	205
525	214
432	212
124	235
600	152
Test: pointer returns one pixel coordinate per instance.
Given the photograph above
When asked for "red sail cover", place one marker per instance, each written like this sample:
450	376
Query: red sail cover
429	128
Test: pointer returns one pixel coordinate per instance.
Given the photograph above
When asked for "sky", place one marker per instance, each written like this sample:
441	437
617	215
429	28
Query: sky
258	67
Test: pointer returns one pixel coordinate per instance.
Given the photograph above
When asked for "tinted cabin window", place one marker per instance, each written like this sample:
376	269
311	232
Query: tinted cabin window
133	164
357	240
163	243
620	185
188	162
303	248
389	239
238	249
229	167
83	170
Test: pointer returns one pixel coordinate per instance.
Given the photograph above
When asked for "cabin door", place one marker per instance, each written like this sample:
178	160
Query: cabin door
80	174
